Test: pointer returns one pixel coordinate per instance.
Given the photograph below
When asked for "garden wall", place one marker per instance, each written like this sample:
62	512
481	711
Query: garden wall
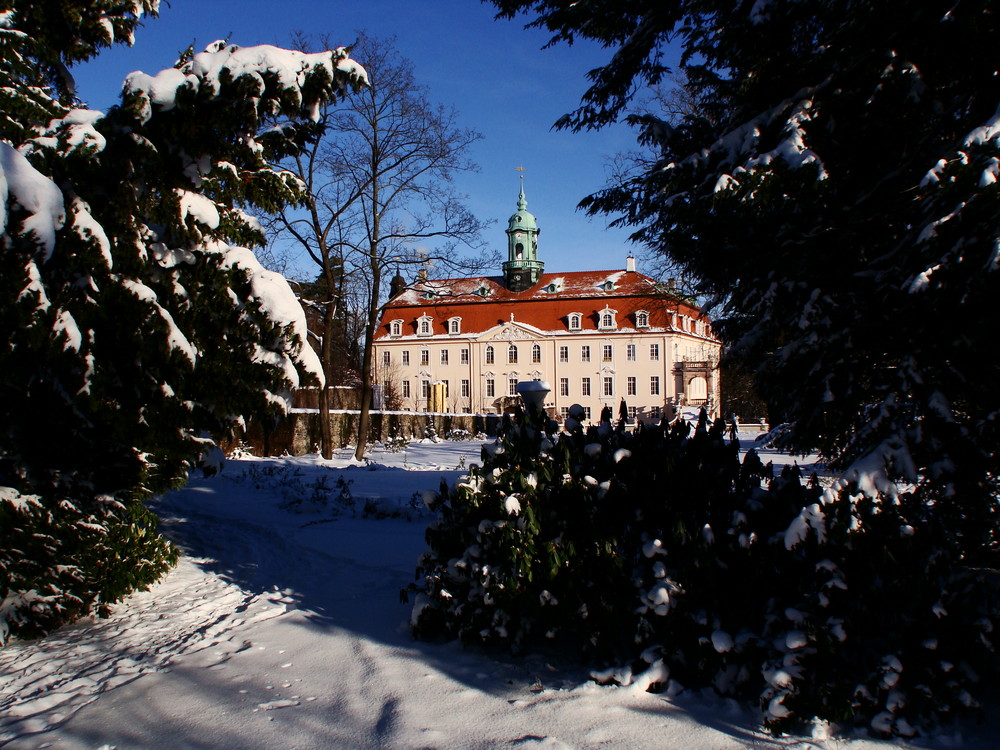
298	433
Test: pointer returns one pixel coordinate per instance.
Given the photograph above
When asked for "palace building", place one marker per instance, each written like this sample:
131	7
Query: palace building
597	337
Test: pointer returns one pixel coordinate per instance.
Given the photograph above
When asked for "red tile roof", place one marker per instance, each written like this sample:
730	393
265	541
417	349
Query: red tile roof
545	306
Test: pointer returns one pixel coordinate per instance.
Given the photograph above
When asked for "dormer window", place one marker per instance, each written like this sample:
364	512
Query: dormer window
609	285
552	288
606	319
642	319
483	291
454	325
575	320
396	328
424	323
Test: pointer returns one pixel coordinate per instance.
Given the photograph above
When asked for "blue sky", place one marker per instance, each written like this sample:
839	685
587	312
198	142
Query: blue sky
493	72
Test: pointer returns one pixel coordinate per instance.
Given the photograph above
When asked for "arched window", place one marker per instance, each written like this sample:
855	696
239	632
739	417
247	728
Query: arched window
606	319
536	353
574	321
489	355
424	325
642	319
454	325
512	354
396	328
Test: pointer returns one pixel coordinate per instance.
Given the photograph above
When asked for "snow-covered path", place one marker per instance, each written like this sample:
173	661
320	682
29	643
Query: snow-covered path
285	630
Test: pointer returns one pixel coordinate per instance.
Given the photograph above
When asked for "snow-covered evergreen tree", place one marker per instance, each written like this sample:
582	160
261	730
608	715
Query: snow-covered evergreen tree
838	197
134	323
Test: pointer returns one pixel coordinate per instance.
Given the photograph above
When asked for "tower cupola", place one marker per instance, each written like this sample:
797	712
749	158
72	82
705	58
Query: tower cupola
522	269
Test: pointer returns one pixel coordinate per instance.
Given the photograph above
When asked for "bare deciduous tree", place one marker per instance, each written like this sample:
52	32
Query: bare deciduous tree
379	174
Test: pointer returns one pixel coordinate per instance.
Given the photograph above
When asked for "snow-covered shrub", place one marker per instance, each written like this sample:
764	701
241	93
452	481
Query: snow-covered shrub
665	558
396	443
457	434
61	557
430	431
241	450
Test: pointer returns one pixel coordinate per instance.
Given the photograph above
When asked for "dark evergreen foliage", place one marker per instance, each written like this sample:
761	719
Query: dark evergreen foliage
838	199
132	329
662	555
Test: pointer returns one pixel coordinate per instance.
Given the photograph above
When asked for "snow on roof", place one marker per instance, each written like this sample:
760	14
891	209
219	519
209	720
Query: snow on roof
575	284
536	308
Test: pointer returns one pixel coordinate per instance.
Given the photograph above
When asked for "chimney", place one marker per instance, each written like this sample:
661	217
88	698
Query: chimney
422	274
630	264
671	284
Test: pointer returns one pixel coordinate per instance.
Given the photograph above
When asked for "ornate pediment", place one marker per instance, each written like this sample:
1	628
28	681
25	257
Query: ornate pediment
509	332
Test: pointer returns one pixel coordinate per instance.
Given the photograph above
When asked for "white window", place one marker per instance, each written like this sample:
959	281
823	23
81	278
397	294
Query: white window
563	386
511	386
465	388
406	389
424	325
654	385
630	386
654	411
536	354
609	386
606	353
444	356
491	388
585	387
425	357
386	358
489	355
396	328
654	352
464	356
632	412
454	325
584	353
512	354
607	319
564	412
586	413
642	319
406	356
630	352
425	389
564	354
574	321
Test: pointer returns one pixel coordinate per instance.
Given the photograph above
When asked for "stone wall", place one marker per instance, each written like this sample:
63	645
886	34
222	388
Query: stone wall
298	433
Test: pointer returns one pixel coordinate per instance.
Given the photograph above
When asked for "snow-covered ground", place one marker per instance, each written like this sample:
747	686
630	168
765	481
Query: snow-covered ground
282	627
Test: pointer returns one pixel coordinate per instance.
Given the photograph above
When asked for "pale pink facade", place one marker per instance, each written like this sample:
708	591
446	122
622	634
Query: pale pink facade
596	337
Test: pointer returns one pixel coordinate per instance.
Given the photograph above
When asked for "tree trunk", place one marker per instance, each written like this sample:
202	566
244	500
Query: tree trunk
369	353
366	389
329	312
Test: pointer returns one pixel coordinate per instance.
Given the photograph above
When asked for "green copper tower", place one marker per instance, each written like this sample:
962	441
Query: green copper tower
522	269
